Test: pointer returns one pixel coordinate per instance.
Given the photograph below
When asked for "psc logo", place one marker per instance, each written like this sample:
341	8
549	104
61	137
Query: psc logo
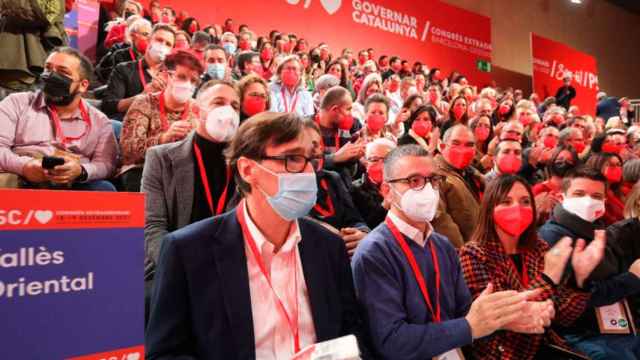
331	6
17	217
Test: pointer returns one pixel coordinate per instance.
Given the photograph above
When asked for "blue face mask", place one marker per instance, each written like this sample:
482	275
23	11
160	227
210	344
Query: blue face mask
216	71
230	48
297	194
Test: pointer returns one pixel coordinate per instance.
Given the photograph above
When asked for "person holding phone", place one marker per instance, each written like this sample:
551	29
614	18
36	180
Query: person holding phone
75	139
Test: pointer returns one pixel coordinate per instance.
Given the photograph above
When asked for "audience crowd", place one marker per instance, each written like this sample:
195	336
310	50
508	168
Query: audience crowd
296	193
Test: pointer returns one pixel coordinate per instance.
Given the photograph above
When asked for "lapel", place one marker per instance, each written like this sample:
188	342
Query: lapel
231	263
183	178
315	271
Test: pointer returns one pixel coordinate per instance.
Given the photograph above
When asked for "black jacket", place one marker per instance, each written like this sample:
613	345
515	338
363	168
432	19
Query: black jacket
345	212
367	199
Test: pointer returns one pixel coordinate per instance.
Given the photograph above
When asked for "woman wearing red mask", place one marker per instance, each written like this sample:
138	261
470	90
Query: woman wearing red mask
505	110
190	25
183	41
610	165
457	113
505	253
337	69
254	96
372	84
420	129
483	132
288	90
376	116
266	59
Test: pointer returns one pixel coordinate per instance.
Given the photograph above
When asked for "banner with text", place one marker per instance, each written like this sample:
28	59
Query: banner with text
71	275
551	60
429	31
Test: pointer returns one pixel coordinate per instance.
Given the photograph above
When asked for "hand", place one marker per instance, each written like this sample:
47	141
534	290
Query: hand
534	318
487	161
352	237
434	139
492	311
156	84
403	116
534	155
177	131
65	173
350	151
555	260
33	171
545	202
635	268
585	259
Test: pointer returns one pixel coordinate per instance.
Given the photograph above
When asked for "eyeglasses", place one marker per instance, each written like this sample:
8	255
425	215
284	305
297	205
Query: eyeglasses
258	95
292	163
316	162
418	182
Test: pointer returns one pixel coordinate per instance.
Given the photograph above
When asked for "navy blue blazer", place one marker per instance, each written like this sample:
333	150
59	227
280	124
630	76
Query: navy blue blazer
201	303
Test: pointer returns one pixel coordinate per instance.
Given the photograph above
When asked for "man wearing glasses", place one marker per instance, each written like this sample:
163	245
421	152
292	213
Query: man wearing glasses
260	281
408	277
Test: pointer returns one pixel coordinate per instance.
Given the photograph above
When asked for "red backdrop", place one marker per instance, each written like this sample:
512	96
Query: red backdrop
552	59
430	31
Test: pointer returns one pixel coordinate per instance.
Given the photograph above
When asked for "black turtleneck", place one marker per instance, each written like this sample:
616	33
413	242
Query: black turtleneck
215	166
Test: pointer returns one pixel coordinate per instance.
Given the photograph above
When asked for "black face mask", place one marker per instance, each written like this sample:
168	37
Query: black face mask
127	14
315	58
57	88
561	168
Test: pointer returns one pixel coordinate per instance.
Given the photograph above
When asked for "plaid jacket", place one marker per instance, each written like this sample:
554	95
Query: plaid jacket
486	263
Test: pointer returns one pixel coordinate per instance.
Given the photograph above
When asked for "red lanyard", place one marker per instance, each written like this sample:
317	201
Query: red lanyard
254	250
524	276
293	104
133	55
205	183
58	125
417	272
143	81
163	114
330	211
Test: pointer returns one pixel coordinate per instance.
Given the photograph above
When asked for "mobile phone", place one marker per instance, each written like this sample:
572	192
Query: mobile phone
49	162
354	137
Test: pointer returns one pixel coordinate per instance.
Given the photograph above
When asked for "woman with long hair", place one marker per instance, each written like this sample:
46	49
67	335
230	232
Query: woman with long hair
610	165
506	253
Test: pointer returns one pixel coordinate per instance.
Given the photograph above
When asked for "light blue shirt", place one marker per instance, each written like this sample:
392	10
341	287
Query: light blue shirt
303	104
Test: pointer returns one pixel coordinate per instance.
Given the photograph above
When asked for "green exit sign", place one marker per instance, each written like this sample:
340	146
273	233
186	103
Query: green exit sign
483	65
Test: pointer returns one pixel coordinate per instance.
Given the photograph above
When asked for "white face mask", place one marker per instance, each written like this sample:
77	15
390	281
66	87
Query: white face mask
182	91
158	51
222	123
584	207
420	205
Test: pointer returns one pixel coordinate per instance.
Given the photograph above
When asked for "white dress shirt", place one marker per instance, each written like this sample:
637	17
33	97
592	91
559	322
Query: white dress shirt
410	231
273	335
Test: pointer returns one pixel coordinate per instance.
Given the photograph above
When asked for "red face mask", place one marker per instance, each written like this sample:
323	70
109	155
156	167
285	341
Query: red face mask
375	173
513	220
193	27
393	87
509	164
459	156
525	120
494	103
550	142
579	146
557	120
482	133
266	54
345	122
433	98
253	105
141	45
613	174
504	109
610	148
384	63
165	19
362	59
421	128
458	111
375	123
286	47
154	18
244	45
289	78
302	47
182	45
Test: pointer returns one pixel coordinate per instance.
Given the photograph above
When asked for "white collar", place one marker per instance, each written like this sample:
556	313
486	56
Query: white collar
292	241
410	231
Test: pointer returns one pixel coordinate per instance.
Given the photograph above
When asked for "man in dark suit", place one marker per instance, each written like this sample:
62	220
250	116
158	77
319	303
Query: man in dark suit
260	281
566	92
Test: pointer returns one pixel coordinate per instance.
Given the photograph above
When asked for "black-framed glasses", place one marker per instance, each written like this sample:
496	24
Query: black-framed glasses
418	182
292	163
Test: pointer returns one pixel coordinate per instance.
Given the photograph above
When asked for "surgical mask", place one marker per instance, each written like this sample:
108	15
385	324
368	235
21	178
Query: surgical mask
182	91
216	71
222	123
230	48
296	196
584	207
57	88
158	51
419	205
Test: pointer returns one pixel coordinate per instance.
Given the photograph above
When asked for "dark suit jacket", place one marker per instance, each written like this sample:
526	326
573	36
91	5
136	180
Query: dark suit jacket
201	303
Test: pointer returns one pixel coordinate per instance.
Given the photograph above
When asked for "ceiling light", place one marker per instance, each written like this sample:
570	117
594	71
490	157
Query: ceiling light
576	1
